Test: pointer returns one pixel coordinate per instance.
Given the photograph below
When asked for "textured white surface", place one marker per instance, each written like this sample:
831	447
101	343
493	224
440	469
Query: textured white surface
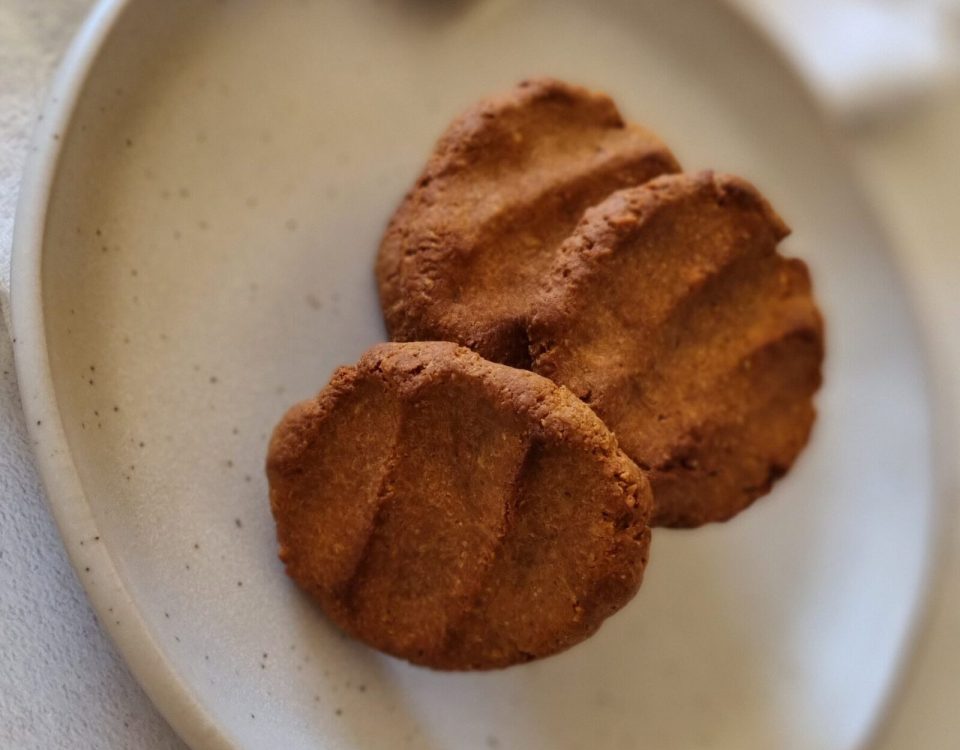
62	684
33	35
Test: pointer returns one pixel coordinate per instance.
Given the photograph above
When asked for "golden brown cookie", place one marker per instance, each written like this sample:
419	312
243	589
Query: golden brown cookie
470	244
670	312
454	512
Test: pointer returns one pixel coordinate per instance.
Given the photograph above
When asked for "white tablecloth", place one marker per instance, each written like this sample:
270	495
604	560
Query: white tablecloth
62	684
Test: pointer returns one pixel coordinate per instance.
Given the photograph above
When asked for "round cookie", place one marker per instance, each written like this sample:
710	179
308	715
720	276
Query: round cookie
670	312
455	512
470	244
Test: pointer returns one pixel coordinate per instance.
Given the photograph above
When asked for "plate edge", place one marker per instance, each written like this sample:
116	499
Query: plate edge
65	495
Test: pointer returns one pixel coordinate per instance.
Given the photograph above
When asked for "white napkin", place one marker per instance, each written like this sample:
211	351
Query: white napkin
867	59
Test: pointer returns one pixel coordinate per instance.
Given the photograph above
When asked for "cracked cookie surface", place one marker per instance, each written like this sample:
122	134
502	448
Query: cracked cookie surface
455	512
671	313
469	245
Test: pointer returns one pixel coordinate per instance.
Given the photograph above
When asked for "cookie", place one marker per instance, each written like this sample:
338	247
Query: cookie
454	512
472	241
671	313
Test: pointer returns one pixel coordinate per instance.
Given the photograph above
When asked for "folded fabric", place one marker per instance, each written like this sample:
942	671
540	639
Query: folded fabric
866	58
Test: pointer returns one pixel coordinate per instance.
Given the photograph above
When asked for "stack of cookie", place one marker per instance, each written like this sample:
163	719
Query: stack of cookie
628	349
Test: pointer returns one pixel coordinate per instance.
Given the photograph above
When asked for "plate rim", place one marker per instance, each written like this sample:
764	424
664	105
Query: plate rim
63	489
65	494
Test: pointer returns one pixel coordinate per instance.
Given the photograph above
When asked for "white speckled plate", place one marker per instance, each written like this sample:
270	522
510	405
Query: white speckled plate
194	252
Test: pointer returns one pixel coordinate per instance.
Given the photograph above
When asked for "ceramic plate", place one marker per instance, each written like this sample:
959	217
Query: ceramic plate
194	254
